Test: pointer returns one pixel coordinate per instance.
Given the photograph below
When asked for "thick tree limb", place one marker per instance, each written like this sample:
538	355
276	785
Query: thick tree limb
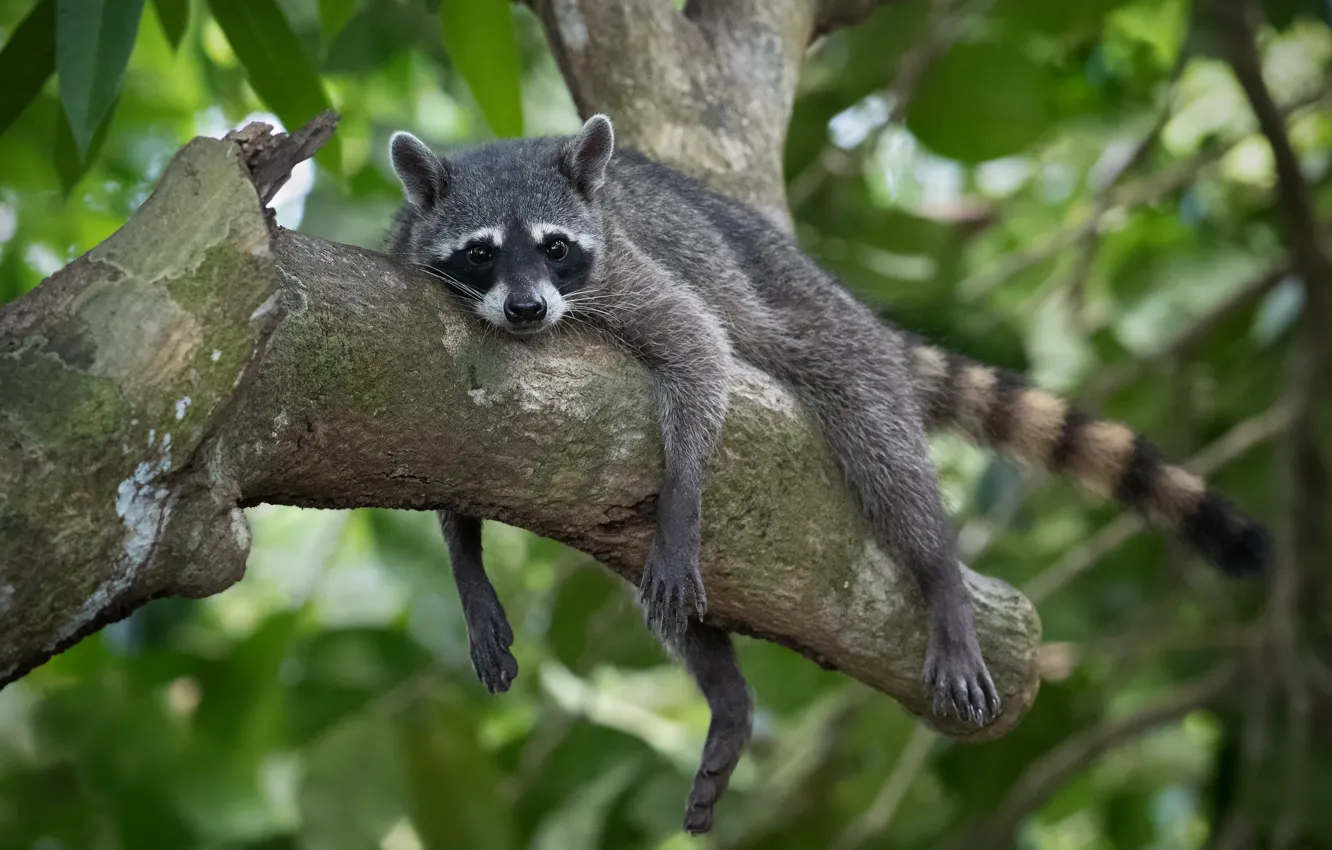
198	361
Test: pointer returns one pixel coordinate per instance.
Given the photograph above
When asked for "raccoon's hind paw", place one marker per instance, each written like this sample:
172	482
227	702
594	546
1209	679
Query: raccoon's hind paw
958	681
489	637
714	775
670	591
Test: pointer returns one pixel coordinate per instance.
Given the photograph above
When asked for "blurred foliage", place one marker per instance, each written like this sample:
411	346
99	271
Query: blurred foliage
1070	189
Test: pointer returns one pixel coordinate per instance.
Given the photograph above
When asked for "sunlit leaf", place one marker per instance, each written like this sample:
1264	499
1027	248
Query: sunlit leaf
276	64
479	37
27	60
174	16
94	39
980	102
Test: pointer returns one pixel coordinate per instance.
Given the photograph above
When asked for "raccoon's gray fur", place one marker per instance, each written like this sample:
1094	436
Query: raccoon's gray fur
539	231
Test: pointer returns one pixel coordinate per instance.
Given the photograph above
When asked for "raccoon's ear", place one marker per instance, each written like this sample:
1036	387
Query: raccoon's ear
587	154
424	176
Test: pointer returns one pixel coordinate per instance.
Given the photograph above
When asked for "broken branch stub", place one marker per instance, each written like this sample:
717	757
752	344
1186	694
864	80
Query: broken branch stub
342	379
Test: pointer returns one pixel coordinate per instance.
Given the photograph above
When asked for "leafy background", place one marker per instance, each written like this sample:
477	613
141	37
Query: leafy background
1066	188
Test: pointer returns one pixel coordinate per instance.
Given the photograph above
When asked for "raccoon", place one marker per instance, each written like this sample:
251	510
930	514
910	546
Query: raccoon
535	233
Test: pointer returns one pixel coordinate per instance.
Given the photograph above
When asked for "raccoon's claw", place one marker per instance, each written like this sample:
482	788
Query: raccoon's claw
489	637
960	681
667	593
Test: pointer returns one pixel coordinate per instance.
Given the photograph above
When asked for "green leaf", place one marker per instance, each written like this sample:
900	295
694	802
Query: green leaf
27	60
591	601
174	15
334	15
439	745
69	163
94	39
345	670
354	786
242	695
277	66
479	37
582	821
980	102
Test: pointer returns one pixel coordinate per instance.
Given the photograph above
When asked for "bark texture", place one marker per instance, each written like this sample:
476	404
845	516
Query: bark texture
201	360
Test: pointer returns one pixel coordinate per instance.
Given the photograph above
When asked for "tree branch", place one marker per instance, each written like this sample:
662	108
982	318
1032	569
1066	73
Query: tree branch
208	362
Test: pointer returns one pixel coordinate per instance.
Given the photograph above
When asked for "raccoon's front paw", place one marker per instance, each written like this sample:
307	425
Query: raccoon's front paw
489	637
955	678
671	589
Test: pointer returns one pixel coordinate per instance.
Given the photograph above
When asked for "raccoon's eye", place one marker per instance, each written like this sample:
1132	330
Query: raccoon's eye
557	249
479	254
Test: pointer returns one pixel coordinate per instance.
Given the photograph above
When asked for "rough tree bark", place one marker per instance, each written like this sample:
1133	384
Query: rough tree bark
201	360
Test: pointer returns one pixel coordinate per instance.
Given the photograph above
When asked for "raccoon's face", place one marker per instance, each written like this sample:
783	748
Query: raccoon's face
511	227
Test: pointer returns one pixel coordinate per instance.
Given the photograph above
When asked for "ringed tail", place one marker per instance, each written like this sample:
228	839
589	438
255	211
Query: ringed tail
1000	410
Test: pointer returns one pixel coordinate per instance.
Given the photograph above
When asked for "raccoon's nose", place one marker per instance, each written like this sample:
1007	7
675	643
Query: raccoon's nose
522	308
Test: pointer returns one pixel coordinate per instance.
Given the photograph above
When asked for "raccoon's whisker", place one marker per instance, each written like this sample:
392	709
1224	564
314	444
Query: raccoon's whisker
594	302
588	311
581	299
436	273
452	282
